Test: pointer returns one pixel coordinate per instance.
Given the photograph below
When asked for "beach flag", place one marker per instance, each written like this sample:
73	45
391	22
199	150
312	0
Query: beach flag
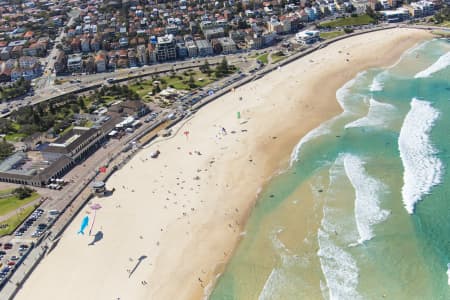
102	169
238	114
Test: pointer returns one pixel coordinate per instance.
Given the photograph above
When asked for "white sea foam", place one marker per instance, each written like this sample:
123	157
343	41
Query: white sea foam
338	266
324	128
367	204
339	269
418	47
279	280
442	63
448	273
422	169
343	92
378	115
377	84
316	132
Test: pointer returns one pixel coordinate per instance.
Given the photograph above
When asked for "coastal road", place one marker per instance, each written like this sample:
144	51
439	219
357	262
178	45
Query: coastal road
86	81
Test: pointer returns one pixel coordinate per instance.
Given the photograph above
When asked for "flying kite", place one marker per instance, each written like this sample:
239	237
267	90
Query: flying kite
84	224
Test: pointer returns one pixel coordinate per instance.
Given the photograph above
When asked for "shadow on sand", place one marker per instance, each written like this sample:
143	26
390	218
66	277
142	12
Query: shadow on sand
140	259
97	237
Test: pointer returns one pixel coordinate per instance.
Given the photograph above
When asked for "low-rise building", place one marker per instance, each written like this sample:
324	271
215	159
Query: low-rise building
142	55
213	33
192	49
100	62
228	45
74	63
204	48
60	62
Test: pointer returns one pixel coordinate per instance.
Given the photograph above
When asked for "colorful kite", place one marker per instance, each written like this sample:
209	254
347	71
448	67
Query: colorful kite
84	224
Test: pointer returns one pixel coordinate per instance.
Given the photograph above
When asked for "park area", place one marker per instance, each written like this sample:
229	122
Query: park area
15	206
331	34
355	20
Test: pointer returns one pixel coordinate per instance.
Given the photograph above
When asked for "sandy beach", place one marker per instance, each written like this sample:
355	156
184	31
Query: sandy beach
173	222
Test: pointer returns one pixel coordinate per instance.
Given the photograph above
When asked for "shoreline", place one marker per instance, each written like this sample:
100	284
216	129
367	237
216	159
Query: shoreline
221	220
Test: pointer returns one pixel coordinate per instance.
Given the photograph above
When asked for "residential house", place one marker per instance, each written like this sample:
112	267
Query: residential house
85	45
100	62
213	33
89	65
60	62
28	62
95	44
142	55
5	73
5	53
132	60
182	51
76	45
275	26
16	51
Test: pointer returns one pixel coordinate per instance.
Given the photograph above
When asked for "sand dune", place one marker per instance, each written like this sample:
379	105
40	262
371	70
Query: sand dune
174	221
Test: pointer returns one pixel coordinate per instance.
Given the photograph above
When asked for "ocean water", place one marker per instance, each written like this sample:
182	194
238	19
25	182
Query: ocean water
363	211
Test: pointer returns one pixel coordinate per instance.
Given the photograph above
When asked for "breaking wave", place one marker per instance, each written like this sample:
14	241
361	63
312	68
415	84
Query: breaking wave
367	203
378	115
339	269
422	169
442	63
324	128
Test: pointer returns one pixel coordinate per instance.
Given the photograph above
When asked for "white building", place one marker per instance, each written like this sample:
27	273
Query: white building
307	36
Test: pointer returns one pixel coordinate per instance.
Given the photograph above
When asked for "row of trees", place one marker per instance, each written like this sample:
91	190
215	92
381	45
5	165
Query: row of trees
442	15
223	69
17	89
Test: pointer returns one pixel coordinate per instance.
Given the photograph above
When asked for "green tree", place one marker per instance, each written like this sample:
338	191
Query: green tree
6	149
6	126
22	192
191	82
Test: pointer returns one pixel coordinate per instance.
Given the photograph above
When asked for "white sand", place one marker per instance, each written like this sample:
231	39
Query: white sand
188	228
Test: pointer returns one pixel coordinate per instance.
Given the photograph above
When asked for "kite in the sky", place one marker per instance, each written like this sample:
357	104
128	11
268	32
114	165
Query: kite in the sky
84	224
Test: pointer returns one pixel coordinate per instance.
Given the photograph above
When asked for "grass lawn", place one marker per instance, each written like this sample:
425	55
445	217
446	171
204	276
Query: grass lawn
331	34
6	192
276	57
178	82
8	226
350	21
11	203
15	137
263	58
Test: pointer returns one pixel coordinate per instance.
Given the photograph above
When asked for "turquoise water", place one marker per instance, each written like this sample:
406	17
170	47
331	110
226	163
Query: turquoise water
364	210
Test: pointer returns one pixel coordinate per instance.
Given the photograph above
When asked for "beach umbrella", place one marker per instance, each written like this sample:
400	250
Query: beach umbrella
186	133
102	169
94	207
